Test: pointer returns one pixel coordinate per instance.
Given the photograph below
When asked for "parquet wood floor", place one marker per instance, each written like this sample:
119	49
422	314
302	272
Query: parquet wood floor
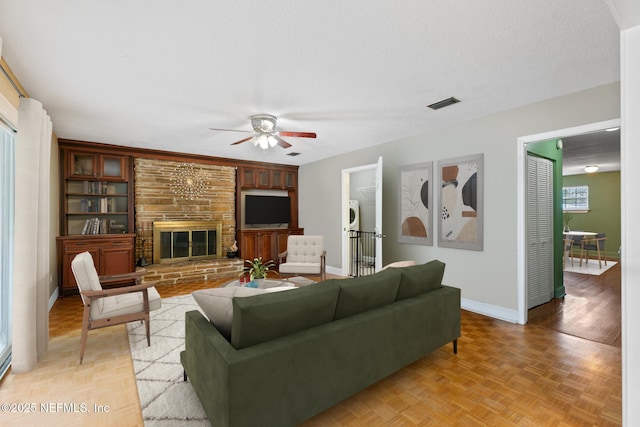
503	375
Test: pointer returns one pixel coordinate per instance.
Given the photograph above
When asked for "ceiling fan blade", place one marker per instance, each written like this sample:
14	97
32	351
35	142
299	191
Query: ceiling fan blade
231	130
282	142
242	140
298	134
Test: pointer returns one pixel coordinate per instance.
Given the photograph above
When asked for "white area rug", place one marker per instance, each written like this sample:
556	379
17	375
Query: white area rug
166	400
588	268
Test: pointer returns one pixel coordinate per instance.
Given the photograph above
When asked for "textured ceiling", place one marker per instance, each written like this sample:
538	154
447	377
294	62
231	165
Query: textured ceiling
160	73
596	148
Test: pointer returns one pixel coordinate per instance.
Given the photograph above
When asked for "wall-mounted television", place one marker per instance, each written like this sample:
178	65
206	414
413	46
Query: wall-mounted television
267	210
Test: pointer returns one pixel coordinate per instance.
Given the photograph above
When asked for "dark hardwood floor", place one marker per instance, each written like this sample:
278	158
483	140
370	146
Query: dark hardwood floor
591	308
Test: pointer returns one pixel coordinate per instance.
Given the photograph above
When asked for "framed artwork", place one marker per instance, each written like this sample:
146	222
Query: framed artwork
461	203
415	204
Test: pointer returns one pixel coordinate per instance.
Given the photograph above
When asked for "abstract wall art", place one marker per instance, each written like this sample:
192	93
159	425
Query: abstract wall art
461	202
415	205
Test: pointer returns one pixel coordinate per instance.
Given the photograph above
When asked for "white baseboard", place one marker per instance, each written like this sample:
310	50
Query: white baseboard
496	312
333	270
53	298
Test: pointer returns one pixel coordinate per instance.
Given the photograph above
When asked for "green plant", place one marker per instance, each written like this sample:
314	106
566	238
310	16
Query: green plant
566	219
257	269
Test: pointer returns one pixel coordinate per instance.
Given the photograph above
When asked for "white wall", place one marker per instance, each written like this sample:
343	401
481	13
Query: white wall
630	260
486	278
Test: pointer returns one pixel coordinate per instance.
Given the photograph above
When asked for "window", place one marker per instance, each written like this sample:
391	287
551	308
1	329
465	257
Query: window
6	243
575	198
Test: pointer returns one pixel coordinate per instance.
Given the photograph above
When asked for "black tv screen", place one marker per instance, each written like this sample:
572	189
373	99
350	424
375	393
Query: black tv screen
267	209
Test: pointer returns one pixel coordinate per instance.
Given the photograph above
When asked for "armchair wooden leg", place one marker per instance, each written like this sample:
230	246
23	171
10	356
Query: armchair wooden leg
146	325
455	346
85	330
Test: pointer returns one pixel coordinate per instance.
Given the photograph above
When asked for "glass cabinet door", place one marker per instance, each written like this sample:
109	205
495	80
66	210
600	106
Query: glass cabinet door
82	165
113	167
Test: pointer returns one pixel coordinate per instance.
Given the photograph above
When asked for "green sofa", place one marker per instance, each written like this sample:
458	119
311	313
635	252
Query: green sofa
293	354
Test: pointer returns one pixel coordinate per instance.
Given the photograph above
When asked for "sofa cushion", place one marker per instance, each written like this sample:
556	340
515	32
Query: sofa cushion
269	316
420	278
367	292
217	306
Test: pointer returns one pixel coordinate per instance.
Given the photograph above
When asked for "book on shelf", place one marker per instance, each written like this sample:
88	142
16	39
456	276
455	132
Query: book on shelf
116	228
104	229
86	226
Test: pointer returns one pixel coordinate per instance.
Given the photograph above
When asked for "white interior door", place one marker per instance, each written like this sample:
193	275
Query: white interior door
379	234
539	231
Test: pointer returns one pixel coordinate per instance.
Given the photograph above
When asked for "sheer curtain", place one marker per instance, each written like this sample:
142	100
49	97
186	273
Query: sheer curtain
32	231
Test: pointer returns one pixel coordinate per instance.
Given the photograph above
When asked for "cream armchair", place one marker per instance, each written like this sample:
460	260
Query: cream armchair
304	255
115	306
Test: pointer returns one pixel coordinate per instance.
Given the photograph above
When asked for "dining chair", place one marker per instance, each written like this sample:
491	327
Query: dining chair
567	252
594	244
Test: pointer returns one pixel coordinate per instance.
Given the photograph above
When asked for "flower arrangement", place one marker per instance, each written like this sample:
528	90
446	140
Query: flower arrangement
257	269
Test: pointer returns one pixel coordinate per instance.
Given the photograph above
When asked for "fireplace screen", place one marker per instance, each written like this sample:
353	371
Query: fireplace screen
185	240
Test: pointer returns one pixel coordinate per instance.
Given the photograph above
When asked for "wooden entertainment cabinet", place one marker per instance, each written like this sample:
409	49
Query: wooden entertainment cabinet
266	242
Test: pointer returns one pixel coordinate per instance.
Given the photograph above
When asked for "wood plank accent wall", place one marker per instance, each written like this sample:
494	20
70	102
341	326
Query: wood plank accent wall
154	200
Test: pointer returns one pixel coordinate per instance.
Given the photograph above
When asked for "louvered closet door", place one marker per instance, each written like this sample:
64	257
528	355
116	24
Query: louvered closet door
539	231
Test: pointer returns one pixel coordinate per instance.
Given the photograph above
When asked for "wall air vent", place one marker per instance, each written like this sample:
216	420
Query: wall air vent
444	103
293	154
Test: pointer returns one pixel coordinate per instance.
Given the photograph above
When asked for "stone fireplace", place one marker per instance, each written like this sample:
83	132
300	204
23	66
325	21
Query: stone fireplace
203	230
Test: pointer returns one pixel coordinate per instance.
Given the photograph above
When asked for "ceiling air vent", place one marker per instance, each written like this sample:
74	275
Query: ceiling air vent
444	103
293	154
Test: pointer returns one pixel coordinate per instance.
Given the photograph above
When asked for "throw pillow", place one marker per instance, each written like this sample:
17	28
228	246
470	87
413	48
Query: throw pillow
420	278
217	305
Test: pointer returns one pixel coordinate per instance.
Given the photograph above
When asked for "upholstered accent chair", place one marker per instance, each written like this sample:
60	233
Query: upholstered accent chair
304	255
114	306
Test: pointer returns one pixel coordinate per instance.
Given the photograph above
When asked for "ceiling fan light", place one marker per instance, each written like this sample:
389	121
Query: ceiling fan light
591	168
263	141
272	141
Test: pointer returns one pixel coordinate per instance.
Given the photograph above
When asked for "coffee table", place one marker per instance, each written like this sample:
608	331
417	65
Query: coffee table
264	284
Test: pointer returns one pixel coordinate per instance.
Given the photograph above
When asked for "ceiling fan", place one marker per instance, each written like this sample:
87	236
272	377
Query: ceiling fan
266	135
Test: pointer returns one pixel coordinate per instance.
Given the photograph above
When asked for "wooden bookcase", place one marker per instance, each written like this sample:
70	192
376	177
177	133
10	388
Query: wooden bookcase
96	203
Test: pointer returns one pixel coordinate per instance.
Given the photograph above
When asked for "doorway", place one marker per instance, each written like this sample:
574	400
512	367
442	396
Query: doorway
521	239
362	247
